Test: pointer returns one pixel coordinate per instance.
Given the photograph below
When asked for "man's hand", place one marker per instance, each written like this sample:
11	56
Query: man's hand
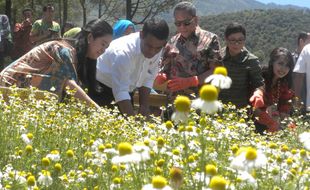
257	99
179	83
161	78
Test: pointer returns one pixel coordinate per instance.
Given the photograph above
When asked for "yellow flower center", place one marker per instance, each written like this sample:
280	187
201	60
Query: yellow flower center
169	124
70	153
58	167
31	180
117	180
211	170
29	148
182	104
159	182
124	148
218	183
160	141
176	174
220	71
251	154
208	93
45	161
303	152
30	136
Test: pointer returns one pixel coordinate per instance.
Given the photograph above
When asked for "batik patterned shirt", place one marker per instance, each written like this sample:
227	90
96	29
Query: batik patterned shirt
192	56
47	67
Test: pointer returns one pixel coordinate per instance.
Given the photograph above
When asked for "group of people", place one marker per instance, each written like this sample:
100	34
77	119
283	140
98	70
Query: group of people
105	65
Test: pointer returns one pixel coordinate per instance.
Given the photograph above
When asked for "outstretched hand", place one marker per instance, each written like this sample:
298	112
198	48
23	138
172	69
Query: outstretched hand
179	83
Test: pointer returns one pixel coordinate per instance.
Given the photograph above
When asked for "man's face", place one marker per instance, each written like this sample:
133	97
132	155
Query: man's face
49	13
27	15
185	23
150	45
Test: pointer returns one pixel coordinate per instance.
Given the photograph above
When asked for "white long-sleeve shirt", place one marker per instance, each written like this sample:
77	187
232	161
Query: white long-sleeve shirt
303	66
123	67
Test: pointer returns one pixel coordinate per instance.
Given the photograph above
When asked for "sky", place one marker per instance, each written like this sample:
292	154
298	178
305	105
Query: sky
301	3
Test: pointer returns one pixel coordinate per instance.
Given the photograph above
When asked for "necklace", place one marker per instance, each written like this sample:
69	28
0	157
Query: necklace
275	95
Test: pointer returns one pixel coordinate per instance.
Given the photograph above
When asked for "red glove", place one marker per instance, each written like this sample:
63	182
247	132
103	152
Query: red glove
257	99
265	119
161	78
179	83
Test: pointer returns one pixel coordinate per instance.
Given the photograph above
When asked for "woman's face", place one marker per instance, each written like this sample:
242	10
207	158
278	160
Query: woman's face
280	68
97	46
235	42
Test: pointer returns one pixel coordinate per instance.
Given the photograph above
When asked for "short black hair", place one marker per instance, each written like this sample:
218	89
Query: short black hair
302	36
157	27
48	6
26	9
233	28
185	6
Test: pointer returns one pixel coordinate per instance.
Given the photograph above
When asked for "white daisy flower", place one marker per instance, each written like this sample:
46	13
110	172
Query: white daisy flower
45	178
131	154
248	159
219	78
305	139
158	183
182	107
207	102
54	155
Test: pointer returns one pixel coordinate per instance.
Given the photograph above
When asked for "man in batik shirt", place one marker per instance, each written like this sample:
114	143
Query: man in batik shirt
190	56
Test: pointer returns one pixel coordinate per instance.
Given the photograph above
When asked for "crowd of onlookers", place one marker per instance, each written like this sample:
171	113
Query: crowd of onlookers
106	65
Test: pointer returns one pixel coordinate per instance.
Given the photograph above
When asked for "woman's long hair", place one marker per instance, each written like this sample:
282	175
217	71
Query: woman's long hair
97	28
268	73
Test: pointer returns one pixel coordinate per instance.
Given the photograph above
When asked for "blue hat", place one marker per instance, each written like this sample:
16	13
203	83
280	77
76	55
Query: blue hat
120	27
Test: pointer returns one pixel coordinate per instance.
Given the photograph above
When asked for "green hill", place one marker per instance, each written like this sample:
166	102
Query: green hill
266	29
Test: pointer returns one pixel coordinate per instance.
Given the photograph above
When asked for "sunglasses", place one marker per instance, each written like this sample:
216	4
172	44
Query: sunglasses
186	22
236	41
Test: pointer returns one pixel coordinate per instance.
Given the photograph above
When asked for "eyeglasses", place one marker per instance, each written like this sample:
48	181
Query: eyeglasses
236	41
186	22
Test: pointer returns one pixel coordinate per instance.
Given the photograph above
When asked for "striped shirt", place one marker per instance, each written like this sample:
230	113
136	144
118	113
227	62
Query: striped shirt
246	76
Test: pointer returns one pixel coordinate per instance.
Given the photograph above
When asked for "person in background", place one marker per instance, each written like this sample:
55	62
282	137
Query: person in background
302	40
189	57
278	92
302	76
123	27
5	39
131	63
58	64
70	30
21	39
46	28
242	67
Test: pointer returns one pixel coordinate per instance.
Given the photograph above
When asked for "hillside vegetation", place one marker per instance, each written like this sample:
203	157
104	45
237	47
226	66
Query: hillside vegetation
266	29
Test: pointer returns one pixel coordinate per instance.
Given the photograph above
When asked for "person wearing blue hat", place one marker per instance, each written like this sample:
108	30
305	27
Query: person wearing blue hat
123	27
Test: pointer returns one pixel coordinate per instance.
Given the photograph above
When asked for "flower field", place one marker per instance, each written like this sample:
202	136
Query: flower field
51	145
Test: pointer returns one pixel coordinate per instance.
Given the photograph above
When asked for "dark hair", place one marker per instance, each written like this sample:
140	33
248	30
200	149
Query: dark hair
233	28
156	27
185	6
26	9
48	6
302	36
97	28
275	54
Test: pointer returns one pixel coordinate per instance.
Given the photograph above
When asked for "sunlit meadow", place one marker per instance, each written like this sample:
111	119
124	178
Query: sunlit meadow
51	145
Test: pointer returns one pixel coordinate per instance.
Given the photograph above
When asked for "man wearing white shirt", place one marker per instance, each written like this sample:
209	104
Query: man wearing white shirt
301	70
131	62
